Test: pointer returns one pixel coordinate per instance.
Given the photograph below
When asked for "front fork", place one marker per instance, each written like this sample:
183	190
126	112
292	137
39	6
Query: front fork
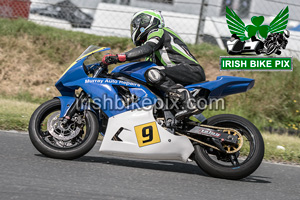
71	105
74	107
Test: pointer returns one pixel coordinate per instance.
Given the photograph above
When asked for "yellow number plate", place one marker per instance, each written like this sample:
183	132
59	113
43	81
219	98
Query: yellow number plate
147	134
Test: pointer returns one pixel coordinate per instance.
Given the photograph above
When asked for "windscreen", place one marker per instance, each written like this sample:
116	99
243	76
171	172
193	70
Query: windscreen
89	50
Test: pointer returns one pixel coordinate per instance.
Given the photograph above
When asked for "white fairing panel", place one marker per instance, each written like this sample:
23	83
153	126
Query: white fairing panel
230	44
138	141
252	45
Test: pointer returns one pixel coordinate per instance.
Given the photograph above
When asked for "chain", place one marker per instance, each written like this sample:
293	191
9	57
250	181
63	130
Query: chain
204	143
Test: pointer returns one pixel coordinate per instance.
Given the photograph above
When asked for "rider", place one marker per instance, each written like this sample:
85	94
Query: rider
281	38
161	45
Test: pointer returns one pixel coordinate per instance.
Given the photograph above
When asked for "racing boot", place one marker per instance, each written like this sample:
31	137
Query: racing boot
183	95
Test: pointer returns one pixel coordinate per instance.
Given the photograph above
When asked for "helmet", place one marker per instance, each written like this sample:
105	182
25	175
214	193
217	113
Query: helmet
142	23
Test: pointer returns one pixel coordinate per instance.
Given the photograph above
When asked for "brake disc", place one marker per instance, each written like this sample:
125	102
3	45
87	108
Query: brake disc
61	131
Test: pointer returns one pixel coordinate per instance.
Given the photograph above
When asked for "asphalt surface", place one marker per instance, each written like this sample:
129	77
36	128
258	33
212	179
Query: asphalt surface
26	174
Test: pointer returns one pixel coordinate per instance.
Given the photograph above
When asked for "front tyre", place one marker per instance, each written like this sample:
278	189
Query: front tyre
271	48
232	166
56	139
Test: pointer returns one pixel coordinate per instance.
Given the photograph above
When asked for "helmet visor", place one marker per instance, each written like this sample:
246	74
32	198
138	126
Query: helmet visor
141	20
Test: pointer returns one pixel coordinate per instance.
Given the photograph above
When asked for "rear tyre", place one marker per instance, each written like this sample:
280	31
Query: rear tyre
75	141
238	165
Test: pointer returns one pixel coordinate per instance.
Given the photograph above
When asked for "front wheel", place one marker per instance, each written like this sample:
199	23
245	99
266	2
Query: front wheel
271	48
64	140
237	165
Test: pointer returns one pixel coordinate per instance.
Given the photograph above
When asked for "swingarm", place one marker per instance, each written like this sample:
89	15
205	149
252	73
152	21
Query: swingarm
226	140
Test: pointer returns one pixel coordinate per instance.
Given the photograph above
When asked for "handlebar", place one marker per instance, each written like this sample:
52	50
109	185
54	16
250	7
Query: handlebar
102	68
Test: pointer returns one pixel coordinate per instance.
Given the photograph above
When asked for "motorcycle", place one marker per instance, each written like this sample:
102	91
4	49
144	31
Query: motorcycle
237	47
136	122
275	42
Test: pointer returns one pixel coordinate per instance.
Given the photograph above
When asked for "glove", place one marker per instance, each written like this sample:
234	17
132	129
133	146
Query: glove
113	59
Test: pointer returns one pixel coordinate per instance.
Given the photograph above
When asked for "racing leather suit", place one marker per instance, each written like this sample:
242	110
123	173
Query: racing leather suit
175	63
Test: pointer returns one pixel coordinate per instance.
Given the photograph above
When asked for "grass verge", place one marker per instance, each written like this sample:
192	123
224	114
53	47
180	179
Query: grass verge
290	143
15	114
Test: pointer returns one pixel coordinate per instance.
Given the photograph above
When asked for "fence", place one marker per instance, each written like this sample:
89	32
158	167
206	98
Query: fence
194	20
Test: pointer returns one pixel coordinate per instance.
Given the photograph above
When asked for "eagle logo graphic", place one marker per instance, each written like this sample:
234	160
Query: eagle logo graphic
237	26
266	39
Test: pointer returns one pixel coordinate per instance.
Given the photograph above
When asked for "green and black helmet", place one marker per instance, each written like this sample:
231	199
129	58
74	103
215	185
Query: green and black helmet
142	23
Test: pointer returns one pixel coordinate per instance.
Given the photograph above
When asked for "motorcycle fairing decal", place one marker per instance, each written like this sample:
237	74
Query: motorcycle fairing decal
112	81
170	147
116	136
103	88
66	103
147	134
211	133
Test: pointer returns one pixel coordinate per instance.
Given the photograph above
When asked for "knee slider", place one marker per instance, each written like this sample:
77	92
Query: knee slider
154	76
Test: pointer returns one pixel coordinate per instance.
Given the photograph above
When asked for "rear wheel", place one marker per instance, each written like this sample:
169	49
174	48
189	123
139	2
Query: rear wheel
56	139
237	165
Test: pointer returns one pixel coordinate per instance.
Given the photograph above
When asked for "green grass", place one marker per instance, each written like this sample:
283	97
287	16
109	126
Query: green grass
15	114
57	44
290	143
24	96
17	28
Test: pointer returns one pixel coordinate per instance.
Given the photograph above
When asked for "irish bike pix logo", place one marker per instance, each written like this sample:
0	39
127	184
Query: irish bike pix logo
255	39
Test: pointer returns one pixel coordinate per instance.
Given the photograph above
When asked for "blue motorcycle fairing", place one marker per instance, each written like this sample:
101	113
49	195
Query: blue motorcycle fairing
74	72
77	73
66	102
101	90
135	69
224	85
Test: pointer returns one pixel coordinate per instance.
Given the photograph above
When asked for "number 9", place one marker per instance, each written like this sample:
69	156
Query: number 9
149	134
